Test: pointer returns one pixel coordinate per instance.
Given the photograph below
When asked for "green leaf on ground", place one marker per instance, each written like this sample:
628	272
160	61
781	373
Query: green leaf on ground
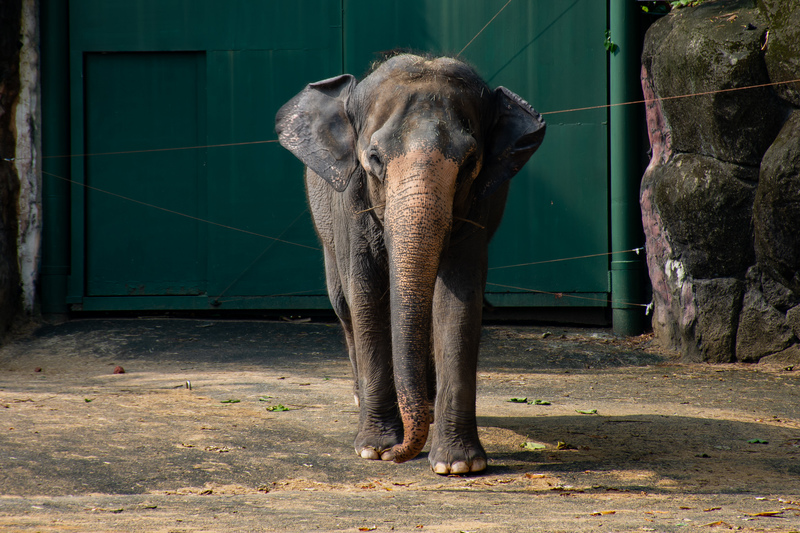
540	402
277	408
586	411
230	400
757	441
518	400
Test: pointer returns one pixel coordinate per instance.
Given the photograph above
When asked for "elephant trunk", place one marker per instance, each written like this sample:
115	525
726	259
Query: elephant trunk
418	219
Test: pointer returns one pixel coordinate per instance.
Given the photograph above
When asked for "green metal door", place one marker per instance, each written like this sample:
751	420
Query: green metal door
182	199
551	54
139	103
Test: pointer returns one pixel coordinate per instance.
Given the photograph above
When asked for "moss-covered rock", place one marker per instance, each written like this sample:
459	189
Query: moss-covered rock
705	206
721	197
713	337
762	329
782	45
777	206
705	51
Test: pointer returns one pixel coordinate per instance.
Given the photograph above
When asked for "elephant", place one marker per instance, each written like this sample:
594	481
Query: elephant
407	175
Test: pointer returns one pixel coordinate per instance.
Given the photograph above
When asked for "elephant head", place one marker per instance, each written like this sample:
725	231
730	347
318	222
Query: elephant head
428	139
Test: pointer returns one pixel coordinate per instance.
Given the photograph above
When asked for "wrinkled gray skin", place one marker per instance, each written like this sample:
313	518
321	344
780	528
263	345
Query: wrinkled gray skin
407	176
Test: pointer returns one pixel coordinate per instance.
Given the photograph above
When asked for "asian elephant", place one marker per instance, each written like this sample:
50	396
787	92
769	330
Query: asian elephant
407	177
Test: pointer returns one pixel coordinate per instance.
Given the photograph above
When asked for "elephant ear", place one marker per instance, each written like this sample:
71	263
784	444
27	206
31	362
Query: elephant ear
516	134
314	126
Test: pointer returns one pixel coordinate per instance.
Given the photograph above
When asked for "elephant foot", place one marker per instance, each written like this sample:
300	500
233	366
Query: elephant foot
478	464
371	453
458	456
374	454
376	444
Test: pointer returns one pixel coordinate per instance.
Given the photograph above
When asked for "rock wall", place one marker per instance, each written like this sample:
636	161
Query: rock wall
720	198
10	292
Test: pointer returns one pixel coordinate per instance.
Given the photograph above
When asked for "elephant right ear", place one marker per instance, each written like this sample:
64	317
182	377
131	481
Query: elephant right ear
314	126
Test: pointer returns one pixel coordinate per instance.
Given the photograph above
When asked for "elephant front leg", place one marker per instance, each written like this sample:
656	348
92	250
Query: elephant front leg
380	426
455	446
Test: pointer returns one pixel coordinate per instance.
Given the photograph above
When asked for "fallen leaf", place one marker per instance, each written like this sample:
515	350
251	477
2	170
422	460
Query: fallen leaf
265	398
230	401
767	513
535	476
277	408
564	446
540	402
586	411
104	510
218	449
757	441
710	509
373	528
717	524
602	513
518	400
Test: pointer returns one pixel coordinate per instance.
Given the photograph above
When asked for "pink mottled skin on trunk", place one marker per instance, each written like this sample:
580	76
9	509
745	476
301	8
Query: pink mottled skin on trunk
420	185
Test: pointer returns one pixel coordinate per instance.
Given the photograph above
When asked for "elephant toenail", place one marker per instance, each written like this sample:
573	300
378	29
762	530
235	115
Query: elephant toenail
441	468
478	465
388	455
370	453
459	467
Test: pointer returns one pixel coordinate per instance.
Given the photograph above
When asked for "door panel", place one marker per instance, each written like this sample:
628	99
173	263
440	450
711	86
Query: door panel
153	75
138	103
259	187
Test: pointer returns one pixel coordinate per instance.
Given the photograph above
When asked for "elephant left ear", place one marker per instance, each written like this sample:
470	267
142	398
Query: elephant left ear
314	126
517	132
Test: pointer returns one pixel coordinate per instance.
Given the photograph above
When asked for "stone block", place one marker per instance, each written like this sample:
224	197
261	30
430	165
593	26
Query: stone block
705	207
701	51
776	211
762	329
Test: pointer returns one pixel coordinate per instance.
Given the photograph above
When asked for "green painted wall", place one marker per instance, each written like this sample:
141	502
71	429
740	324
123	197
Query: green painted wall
208	76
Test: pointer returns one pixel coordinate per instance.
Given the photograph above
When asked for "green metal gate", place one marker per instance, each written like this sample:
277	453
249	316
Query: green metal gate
179	198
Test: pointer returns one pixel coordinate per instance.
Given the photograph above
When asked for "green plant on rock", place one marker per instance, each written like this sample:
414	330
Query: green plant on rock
677	4
655	7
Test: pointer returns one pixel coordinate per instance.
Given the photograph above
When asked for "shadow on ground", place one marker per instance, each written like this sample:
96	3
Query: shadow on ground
621	438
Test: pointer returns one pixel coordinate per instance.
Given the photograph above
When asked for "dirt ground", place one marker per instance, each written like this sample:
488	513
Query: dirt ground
248	426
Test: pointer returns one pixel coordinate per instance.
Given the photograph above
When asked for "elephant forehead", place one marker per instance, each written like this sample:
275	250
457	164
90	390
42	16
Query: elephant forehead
404	95
426	96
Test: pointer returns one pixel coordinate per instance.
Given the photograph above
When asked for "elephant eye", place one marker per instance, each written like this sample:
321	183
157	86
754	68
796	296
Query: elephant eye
375	165
468	168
